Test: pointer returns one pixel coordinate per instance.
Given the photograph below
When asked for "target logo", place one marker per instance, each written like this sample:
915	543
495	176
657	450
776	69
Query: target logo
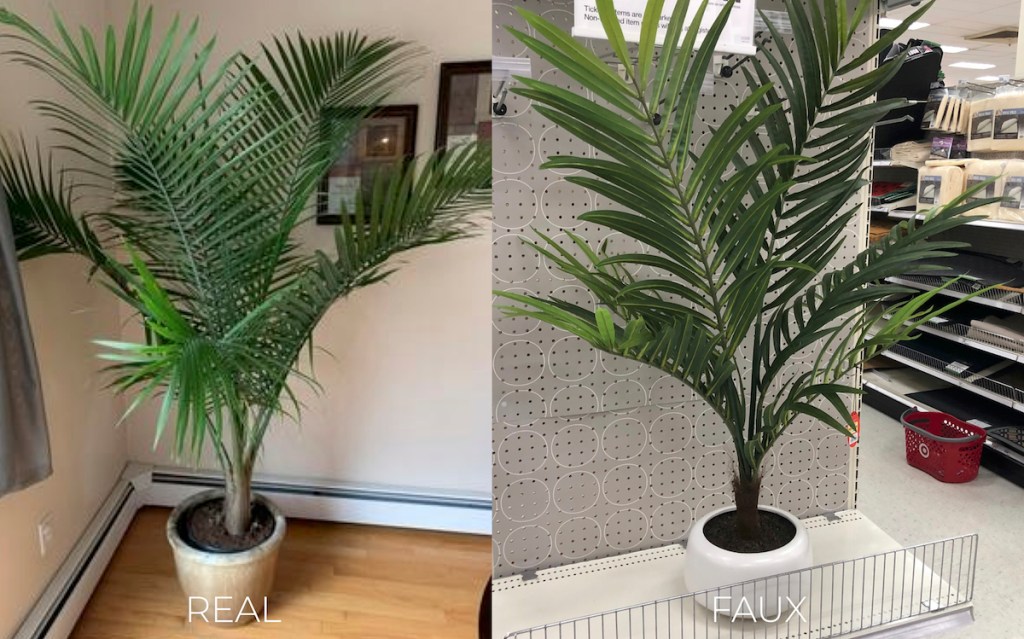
923	449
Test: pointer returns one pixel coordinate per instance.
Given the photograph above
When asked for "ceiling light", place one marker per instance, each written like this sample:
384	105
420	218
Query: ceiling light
987	78
892	23
952	49
973	65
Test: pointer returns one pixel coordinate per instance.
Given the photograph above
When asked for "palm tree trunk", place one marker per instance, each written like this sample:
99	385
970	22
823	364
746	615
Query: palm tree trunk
748	517
238	502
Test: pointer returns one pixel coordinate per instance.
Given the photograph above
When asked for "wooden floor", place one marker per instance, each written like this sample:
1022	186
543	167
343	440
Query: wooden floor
333	580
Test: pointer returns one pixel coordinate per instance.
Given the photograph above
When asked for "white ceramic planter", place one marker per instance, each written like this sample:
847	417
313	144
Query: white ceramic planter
708	567
234	582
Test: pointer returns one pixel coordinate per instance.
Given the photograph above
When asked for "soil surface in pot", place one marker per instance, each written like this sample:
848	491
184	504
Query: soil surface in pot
776	532
202	527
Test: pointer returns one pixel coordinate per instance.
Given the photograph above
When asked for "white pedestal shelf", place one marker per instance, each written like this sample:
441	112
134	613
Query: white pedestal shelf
863	584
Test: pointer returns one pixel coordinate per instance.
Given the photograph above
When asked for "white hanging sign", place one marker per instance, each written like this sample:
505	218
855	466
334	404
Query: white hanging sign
738	36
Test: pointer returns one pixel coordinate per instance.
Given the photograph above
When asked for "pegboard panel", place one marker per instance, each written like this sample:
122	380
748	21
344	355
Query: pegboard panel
595	455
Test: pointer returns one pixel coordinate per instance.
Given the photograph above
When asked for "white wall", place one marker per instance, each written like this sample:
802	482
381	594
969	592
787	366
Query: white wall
406	398
66	314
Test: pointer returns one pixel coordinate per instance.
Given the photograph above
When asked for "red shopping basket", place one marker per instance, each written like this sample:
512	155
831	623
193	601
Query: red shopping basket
943	446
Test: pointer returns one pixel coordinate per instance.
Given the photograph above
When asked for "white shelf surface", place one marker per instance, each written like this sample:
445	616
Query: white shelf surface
989	224
898	383
892	210
883	164
627	581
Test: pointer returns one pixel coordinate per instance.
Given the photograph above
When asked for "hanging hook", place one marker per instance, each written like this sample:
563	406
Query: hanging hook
498	106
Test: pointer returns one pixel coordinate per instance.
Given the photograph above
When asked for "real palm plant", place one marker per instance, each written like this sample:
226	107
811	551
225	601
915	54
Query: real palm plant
744	235
206	170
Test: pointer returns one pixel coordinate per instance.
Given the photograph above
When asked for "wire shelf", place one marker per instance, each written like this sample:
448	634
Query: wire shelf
832	600
1003	225
1010	436
950	371
1011	348
999	298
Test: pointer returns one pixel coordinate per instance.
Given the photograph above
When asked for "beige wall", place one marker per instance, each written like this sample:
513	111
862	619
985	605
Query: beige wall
66	313
407	380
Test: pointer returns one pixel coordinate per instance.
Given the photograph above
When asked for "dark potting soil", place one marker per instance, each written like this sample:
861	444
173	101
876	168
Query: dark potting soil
202	527
776	532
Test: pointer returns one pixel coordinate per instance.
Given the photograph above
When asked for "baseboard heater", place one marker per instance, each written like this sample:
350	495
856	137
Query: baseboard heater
57	610
350	503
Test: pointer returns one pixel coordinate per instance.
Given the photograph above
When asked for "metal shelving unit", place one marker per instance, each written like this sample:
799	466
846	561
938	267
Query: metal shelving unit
977	338
999	298
988	224
887	164
889	210
1000	237
998	392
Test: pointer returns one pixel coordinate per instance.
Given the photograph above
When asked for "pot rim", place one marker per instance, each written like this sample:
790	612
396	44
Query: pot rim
238	557
798	538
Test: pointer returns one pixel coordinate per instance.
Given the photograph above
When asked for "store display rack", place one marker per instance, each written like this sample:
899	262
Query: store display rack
863	584
993	390
892	164
909	214
1004	299
1004	453
979	339
1010	437
891	210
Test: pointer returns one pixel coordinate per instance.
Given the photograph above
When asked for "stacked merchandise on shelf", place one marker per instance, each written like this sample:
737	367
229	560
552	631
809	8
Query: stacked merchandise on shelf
969	362
988	119
941	181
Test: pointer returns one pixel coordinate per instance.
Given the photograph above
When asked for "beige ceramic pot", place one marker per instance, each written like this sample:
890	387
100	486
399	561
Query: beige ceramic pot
229	588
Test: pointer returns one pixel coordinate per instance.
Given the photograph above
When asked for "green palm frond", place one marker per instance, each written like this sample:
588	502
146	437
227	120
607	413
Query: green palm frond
745	233
209	169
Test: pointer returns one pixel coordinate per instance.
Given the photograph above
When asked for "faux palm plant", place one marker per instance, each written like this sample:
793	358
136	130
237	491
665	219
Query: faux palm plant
204	172
743	235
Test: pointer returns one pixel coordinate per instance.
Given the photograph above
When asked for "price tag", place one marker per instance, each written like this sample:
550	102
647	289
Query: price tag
853	441
957	368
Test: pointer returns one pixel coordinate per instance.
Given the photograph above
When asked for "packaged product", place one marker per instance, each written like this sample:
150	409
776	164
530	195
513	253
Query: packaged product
990	174
941	114
1008	119
982	123
931	109
938	185
1011	209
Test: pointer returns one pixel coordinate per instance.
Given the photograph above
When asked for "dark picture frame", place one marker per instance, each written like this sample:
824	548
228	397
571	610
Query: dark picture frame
463	103
385	139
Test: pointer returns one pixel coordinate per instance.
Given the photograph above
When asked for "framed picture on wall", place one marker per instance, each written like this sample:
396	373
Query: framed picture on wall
463	103
385	139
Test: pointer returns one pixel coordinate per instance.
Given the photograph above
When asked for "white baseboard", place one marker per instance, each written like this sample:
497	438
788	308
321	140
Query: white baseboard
339	502
55	613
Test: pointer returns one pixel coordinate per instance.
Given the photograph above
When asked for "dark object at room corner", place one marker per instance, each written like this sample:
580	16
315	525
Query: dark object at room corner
485	612
913	82
24	442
